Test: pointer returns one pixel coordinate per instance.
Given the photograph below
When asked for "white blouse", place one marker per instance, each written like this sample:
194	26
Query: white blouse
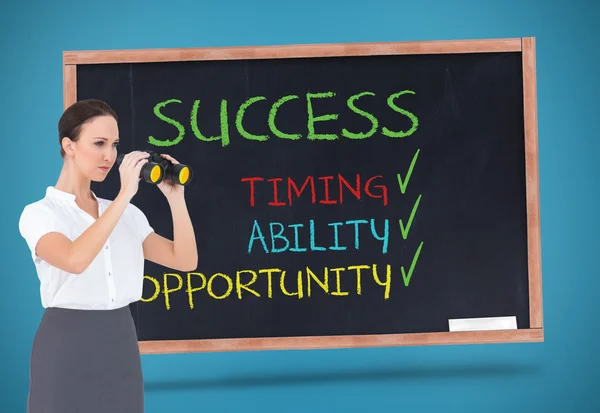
114	279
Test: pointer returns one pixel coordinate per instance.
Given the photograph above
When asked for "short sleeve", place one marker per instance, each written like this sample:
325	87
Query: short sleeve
140	221
35	221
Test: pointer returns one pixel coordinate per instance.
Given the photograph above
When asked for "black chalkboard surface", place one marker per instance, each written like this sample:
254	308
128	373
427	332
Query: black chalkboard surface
343	195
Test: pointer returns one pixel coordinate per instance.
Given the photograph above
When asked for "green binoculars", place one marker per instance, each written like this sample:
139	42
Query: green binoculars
159	168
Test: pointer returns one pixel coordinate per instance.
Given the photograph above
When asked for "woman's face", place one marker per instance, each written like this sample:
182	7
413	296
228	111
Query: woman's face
95	151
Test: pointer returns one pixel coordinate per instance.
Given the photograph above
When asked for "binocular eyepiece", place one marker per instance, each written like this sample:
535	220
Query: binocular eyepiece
159	168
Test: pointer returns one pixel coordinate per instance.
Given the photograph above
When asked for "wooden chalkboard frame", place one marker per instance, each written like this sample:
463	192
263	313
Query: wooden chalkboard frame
524	45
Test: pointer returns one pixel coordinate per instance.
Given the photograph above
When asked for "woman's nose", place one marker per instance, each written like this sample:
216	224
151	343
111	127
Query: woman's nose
109	156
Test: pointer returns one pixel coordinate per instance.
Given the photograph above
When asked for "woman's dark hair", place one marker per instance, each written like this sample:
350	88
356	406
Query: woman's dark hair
79	113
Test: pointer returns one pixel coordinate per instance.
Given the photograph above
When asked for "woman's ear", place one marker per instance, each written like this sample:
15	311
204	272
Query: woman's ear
67	145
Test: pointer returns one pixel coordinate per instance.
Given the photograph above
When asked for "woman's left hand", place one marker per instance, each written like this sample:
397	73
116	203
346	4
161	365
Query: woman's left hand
167	187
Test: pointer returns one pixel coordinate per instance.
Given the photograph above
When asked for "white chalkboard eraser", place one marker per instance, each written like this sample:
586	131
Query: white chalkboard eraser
483	323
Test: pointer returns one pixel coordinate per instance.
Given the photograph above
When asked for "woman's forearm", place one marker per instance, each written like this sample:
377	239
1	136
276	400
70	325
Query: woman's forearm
184	238
87	246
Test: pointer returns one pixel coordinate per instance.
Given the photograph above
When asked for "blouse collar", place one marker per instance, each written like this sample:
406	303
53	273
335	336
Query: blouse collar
66	196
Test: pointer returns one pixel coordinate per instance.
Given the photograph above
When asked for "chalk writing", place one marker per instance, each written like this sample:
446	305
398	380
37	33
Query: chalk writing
269	107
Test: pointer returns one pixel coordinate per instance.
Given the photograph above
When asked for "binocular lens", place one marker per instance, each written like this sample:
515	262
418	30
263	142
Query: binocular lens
180	174
156	173
184	174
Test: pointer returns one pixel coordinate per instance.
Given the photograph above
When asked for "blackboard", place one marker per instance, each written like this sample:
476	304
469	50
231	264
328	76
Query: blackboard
343	195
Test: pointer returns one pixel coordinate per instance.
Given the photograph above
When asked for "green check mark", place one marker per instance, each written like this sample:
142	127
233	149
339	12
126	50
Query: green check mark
405	277
410	219
403	184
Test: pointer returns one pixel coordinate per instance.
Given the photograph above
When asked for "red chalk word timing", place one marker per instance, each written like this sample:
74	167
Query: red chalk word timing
284	192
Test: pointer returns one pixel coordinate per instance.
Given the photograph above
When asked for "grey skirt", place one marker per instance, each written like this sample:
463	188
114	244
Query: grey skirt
86	361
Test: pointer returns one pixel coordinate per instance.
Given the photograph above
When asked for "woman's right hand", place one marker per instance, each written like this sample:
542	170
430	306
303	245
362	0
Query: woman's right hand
130	168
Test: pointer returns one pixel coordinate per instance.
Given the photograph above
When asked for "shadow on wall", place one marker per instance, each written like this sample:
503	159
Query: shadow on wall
380	374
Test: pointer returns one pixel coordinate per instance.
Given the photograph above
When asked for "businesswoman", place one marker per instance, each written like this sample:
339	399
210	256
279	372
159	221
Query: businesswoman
89	255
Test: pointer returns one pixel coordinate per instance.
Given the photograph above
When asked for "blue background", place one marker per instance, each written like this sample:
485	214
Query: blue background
536	377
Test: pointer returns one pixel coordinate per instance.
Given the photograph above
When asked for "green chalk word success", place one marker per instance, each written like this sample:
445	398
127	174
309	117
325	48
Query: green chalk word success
270	109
